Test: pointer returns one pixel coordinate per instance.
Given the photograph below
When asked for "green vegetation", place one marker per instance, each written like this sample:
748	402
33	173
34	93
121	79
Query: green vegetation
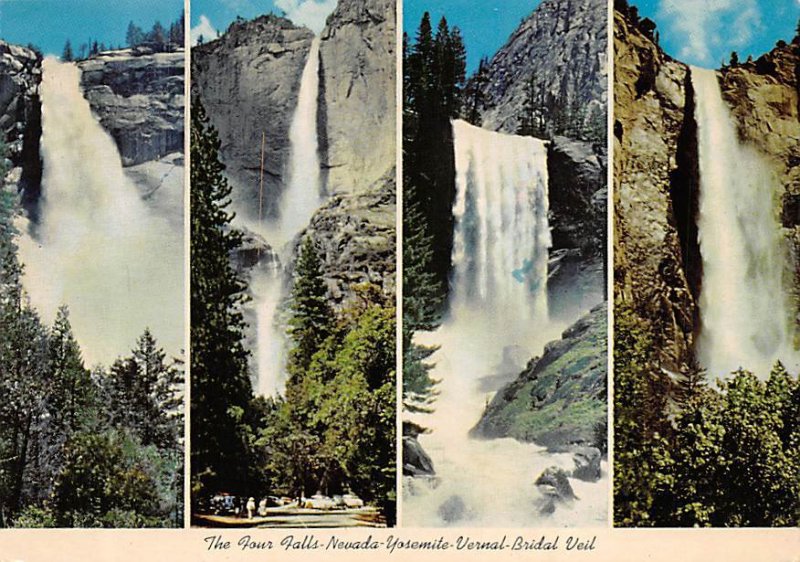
99	449
726	456
333	430
559	399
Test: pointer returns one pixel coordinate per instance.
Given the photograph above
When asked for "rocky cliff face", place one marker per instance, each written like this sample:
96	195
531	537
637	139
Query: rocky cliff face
650	114
355	236
248	81
560	398
357	58
139	99
21	115
657	263
562	47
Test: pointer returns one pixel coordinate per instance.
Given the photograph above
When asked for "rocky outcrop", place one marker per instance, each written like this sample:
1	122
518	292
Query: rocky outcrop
416	461
559	399
139	98
562	47
357	66
587	464
355	238
21	115
248	80
555	488
652	124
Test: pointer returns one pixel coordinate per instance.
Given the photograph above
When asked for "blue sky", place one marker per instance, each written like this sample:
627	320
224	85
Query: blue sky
210	16
704	32
49	23
484	25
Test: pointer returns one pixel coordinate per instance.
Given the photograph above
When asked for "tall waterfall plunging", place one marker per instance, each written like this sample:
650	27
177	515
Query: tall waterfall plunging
301	197
498	299
744	307
98	247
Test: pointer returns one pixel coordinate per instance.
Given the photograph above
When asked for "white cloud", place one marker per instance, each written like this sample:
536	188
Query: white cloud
204	28
311	13
707	25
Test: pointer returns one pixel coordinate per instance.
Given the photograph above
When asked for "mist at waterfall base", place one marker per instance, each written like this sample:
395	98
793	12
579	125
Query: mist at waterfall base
300	198
498	299
116	261
745	309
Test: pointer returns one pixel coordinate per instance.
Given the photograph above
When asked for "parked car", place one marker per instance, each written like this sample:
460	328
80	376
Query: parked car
318	501
223	504
352	501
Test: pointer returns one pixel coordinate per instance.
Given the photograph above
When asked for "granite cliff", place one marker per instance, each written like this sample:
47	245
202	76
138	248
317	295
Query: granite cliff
561	46
357	57
21	117
139	98
248	80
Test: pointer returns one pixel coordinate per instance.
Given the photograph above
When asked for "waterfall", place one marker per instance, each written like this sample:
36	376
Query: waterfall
502	236
98	247
744	308
301	197
498	300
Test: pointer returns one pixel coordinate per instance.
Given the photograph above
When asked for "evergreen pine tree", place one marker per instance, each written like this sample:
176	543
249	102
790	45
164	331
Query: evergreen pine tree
311	317
67	55
220	382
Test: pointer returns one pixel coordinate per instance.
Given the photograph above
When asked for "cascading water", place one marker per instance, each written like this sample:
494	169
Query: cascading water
298	202
97	247
744	308
498	299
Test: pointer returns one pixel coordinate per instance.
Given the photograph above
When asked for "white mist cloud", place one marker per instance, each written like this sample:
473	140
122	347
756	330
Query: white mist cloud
705	25
204	28
311	13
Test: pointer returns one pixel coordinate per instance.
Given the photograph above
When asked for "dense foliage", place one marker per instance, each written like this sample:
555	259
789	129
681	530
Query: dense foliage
334	430
79	448
687	454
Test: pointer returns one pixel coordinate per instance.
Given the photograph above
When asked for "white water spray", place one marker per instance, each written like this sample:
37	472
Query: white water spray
298	202
98	248
744	308
498	299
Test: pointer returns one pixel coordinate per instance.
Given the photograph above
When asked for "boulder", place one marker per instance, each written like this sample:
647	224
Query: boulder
416	461
587	464
453	510
554	482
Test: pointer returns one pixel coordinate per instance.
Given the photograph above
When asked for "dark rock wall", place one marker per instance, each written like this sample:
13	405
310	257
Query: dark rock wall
21	117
